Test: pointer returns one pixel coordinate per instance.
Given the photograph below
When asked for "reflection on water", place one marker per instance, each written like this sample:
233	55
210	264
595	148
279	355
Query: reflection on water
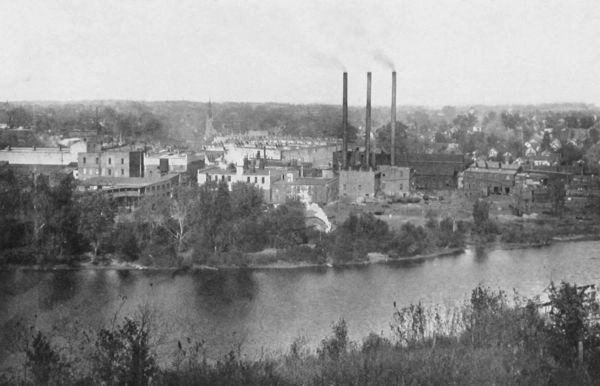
225	286
481	253
268	309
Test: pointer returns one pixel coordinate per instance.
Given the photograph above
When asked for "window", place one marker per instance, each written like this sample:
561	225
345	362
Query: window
83	159
248	179
229	178
122	161
207	177
96	160
263	180
255	180
400	186
109	160
109	171
122	172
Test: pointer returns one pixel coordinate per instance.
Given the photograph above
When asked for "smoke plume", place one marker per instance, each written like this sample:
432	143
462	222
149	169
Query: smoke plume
385	60
329	61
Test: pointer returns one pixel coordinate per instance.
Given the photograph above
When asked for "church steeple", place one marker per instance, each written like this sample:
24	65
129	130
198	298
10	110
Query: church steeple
209	130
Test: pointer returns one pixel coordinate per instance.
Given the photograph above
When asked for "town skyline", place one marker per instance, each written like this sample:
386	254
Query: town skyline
462	53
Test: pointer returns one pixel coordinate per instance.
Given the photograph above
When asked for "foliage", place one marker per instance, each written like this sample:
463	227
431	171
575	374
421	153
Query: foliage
126	241
96	218
357	236
123	355
481	218
285	225
574	318
335	346
44	362
490	339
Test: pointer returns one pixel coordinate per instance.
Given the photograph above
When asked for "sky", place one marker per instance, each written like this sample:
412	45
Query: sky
457	52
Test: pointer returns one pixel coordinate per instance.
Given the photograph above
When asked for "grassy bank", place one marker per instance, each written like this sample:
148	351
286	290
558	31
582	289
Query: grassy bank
490	340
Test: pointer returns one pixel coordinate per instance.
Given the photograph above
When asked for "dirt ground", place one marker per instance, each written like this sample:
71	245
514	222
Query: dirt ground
454	204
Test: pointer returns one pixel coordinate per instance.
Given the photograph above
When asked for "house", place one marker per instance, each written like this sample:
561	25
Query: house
261	178
545	158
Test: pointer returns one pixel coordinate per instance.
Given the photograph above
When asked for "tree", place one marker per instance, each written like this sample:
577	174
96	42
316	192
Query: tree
96	218
592	156
545	145
481	213
384	138
175	215
286	225
574	313
557	191
570	153
19	117
123	355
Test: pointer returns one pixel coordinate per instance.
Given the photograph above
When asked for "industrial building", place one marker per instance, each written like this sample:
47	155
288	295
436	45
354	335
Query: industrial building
434	171
62	155
110	163
320	190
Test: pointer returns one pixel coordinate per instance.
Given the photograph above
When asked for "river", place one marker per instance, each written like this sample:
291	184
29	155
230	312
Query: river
265	310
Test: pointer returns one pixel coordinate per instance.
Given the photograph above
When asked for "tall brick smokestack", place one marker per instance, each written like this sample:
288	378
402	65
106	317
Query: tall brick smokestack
345	123
393	120
368	124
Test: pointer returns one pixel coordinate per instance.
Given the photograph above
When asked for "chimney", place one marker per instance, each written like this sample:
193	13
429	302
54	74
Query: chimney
345	123
393	120
368	123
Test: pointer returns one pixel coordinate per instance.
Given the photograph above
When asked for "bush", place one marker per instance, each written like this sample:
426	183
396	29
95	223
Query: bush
334	347
44	362
123	355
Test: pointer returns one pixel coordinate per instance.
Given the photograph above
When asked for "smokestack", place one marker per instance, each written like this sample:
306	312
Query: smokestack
393	121
368	123
345	123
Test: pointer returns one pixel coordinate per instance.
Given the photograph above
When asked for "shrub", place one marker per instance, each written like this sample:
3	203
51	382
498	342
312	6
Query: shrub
123	356
334	347
43	361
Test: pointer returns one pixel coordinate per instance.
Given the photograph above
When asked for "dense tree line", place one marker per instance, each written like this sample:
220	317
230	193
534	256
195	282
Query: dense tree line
364	233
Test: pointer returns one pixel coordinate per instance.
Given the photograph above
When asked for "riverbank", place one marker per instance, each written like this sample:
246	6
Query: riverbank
274	258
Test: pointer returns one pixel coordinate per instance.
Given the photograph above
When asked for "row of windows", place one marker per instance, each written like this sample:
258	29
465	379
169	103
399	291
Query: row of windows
248	179
109	160
156	188
98	171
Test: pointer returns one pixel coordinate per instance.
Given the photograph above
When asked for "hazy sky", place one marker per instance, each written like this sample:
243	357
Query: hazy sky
445	52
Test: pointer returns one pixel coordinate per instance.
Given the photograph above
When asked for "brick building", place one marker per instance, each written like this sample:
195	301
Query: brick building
434	171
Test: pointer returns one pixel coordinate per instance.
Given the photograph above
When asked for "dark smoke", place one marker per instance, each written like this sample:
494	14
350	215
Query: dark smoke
382	58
